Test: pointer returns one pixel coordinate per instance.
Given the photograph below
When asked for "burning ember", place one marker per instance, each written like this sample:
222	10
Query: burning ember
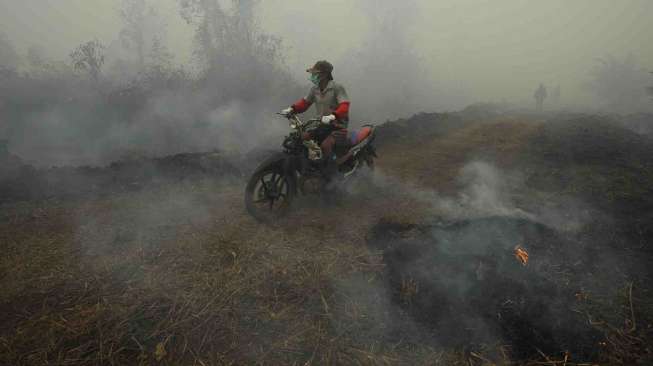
521	254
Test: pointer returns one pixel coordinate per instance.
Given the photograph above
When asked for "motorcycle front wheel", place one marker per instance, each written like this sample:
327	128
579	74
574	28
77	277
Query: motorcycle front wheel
269	193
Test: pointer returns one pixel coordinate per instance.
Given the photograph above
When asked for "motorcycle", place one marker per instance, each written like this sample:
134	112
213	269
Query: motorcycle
299	169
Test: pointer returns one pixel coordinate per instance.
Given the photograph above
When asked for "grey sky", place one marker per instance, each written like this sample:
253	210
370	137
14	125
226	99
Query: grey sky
486	50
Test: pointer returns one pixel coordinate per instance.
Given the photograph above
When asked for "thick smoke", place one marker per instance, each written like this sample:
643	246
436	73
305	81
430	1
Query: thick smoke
131	100
452	268
485	191
394	59
138	93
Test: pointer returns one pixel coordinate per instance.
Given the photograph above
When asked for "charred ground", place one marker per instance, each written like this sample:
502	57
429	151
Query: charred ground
155	261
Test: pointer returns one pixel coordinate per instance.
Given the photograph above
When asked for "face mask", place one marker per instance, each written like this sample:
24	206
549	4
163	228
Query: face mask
315	79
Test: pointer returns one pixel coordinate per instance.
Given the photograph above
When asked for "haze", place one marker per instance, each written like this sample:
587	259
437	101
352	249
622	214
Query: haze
157	208
462	51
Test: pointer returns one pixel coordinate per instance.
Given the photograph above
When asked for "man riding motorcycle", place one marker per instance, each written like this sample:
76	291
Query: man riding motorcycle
314	152
332	106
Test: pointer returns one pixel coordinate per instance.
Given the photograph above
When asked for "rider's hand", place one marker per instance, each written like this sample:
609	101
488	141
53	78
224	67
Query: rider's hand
288	111
328	119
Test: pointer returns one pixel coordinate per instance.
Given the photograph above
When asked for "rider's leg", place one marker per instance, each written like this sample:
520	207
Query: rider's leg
340	141
328	153
318	134
328	145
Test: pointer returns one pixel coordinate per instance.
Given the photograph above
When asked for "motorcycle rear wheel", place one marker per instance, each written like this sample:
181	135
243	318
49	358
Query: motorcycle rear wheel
269	193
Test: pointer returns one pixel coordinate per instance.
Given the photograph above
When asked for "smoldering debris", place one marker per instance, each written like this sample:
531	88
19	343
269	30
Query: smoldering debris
460	274
462	283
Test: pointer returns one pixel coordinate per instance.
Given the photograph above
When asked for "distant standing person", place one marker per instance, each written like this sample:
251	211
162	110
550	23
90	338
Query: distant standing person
540	95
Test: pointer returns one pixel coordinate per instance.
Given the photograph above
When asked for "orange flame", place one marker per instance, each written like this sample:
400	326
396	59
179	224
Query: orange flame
521	254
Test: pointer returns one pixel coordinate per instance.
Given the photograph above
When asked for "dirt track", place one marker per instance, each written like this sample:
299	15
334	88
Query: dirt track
177	272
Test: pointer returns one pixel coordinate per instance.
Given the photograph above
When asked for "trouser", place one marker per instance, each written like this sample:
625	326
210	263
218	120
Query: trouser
331	139
333	142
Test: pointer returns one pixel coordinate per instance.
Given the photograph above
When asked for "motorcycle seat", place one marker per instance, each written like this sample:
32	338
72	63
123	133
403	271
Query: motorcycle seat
356	137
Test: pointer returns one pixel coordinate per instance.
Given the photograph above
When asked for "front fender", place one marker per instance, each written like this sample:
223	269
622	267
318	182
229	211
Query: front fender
287	163
279	158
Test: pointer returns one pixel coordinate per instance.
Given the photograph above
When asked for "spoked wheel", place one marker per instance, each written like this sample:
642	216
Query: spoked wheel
269	193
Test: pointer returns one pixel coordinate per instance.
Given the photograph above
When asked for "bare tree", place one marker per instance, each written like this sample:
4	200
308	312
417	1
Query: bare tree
160	57
211	31
244	18
135	14
90	57
227	37
234	52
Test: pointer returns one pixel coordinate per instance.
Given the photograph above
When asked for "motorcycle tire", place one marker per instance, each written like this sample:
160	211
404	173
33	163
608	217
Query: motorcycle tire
269	193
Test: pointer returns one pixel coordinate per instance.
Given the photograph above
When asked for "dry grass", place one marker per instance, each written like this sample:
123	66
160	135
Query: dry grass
183	276
101	282
436	162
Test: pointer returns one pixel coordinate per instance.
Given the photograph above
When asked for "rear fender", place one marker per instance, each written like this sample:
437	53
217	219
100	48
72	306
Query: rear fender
364	147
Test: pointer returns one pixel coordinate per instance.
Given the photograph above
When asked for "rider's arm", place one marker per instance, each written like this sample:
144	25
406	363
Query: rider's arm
342	111
303	104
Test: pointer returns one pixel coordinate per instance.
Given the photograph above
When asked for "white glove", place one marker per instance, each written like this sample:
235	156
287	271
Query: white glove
328	119
288	111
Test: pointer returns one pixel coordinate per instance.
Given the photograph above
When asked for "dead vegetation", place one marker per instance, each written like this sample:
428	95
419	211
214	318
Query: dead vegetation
217	289
178	273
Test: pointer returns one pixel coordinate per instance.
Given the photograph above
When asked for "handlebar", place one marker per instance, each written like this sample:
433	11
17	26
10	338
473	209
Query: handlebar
298	122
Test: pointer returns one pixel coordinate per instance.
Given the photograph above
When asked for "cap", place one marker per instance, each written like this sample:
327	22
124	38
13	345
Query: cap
321	66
